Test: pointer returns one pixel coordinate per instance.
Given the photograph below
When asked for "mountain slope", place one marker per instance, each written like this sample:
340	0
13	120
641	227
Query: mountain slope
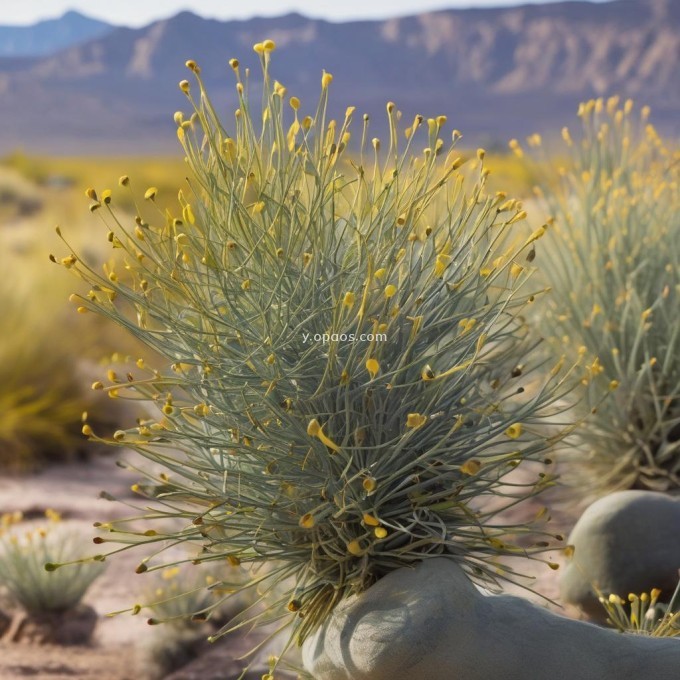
494	72
47	37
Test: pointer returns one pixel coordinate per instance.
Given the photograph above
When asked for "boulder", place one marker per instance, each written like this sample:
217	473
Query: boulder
626	542
431	623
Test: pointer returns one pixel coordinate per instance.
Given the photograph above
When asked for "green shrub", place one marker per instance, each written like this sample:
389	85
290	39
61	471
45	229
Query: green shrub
332	462
613	260
41	396
23	556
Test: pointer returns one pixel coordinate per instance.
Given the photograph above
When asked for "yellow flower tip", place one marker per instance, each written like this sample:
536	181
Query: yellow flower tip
613	384
380	274
119	435
440	265
354	548
427	373
307	521
87	430
91	194
369	484
372	366
293	606
371	520
192	66
615	599
348	300
294	103
313	428
553	565
234	63
184	86
269	45
514	431
390	291
655	593
245	285
82	310
415	420
376	143
150	194
259	48
470	467
270	359
326	80
52	515
380	532
480	154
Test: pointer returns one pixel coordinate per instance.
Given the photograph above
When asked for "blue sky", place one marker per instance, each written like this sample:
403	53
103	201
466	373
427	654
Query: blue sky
140	12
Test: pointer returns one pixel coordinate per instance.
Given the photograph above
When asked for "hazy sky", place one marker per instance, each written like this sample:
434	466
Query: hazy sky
140	12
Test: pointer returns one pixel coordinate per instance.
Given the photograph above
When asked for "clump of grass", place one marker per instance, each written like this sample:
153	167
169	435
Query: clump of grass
41	398
643	614
23	573
613	259
387	439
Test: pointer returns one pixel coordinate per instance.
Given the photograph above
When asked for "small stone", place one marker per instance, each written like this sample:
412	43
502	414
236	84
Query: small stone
430	622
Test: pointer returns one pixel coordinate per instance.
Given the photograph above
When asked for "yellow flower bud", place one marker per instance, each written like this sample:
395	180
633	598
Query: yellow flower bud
414	420
514	431
372	366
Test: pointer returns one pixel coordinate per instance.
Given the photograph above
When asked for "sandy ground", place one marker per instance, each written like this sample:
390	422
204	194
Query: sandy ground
117	650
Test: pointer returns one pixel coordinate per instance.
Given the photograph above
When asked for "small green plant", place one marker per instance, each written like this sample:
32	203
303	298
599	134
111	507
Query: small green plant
643	614
613	259
37	588
350	373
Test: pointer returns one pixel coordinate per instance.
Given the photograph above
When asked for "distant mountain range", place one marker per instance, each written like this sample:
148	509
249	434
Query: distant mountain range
47	37
496	73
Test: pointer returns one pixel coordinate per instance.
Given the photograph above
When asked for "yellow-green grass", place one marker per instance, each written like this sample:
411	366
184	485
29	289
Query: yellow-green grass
80	172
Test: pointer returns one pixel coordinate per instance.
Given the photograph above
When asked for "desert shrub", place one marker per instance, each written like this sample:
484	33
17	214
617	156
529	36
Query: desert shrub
41	395
333	461
23	559
612	257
